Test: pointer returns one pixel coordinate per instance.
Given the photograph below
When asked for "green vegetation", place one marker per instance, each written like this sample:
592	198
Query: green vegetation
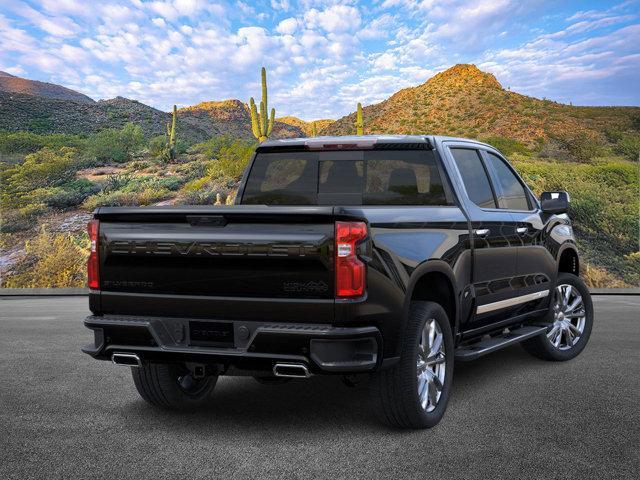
54	261
604	207
359	124
261	126
170	148
507	146
55	179
27	142
43	170
116	145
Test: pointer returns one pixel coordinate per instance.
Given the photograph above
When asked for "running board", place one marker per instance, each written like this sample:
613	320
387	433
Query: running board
471	352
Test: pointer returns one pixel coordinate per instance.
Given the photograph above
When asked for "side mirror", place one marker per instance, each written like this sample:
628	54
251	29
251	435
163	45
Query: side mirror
554	202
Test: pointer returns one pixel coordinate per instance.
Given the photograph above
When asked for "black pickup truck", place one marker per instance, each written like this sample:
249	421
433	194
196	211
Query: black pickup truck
390	256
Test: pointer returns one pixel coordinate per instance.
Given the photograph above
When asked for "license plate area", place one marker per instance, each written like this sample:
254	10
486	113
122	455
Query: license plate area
211	334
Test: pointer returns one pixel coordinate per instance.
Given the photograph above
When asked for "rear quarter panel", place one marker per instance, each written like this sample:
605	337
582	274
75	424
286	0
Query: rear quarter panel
404	240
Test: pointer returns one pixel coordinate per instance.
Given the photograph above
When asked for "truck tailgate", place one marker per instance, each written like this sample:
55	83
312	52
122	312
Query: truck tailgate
248	253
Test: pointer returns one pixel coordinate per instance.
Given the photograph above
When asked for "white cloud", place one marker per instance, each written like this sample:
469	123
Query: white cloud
15	70
322	56
56	26
280	5
287	26
335	19
379	27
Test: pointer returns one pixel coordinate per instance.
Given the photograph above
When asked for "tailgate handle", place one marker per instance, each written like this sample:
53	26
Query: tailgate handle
207	220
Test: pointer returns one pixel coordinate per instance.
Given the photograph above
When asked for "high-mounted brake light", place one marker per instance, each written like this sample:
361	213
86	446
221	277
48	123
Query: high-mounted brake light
350	271
93	275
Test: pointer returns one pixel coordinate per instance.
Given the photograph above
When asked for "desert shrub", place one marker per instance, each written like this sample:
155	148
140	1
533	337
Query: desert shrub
171	183
40	125
192	170
232	154
28	142
604	198
157	145
232	160
116	182
44	169
68	195
629	146
127	198
596	277
116	145
52	261
581	146
507	146
203	196
19	219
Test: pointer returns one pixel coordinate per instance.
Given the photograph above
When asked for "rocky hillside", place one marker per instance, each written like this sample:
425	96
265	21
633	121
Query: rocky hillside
20	111
231	117
41	110
304	126
464	101
12	84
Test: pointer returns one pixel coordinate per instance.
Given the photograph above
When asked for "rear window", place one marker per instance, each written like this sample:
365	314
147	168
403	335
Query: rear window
347	178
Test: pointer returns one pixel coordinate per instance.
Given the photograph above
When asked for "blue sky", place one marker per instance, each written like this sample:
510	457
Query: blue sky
322	56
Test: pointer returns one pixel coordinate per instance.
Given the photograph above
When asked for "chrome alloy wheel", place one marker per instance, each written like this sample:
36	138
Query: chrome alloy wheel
569	317
430	365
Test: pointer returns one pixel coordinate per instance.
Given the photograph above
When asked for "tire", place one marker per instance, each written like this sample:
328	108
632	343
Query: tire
395	390
171	386
566	323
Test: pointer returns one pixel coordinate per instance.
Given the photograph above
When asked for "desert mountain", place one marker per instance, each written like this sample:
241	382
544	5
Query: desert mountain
306	127
47	108
464	101
231	117
12	84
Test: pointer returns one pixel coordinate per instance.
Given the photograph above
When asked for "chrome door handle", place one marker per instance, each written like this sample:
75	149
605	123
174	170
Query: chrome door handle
522	230
481	232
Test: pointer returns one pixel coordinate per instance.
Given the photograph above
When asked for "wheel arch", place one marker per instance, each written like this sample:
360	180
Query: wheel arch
433	281
568	260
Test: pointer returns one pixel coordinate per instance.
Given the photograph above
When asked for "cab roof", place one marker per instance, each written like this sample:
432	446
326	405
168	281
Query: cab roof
353	142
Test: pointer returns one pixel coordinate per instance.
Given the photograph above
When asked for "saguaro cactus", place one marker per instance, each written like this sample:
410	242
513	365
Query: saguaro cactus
359	125
314	130
171	135
260	124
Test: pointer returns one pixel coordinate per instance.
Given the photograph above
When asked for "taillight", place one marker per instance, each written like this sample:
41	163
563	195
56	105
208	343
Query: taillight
93	275
350	271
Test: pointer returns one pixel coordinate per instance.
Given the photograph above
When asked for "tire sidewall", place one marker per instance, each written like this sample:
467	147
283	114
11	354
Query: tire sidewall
578	284
420	313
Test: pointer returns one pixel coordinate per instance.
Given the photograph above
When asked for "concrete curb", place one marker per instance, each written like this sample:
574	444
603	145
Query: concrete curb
46	292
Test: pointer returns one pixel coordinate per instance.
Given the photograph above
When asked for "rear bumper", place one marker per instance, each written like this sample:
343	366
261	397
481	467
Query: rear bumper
244	345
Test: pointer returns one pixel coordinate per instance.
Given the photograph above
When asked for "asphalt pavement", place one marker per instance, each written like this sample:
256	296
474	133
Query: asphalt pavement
65	415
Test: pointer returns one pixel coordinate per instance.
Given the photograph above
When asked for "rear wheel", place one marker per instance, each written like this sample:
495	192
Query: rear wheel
172	386
570	322
415	392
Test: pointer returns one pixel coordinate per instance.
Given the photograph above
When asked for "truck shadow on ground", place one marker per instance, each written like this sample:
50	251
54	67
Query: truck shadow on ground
243	403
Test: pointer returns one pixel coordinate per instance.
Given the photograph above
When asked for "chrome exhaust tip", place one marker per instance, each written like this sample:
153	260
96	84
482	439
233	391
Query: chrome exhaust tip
126	359
291	370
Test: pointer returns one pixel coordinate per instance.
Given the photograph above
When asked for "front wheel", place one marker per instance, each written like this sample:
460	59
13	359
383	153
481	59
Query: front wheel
172	386
415	392
570	322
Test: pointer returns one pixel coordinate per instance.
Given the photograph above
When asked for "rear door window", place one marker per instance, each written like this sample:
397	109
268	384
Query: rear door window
474	177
